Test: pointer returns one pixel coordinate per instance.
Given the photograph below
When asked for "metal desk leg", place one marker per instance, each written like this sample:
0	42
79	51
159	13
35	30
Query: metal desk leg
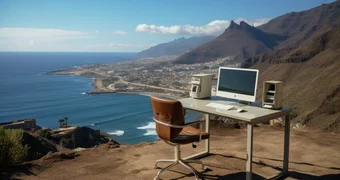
249	151
286	146
206	142
207	129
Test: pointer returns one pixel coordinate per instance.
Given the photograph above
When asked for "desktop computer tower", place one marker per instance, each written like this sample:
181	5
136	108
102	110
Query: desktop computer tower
272	94
200	86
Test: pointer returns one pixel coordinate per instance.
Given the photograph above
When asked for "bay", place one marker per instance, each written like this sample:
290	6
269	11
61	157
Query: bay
28	93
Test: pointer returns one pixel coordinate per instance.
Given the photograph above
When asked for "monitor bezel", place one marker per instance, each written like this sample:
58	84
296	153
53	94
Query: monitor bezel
237	96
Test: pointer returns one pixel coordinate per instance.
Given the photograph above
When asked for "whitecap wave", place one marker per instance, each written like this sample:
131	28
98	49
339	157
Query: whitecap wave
83	93
117	133
92	124
150	125
150	132
145	95
150	129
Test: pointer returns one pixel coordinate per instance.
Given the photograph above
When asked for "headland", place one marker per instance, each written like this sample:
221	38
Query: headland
157	76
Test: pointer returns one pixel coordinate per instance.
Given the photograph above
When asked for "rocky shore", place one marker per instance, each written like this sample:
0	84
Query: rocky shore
43	141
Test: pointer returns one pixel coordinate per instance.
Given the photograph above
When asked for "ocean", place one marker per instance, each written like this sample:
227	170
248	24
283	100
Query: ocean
26	92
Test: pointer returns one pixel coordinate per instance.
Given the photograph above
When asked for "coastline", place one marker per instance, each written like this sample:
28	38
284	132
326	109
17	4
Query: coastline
99	88
151	94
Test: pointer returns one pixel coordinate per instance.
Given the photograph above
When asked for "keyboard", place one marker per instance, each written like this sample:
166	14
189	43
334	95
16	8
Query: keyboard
220	106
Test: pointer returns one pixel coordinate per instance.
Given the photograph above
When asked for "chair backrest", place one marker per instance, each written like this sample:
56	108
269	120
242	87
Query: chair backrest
170	112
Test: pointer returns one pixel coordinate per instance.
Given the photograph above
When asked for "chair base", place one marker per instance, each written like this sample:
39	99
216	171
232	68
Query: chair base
182	162
176	161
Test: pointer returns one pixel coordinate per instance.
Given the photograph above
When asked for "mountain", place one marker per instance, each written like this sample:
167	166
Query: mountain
299	26
311	77
241	41
244	41
176	47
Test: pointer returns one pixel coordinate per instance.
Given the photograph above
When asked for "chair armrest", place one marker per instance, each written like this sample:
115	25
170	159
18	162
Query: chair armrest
201	127
182	126
169	125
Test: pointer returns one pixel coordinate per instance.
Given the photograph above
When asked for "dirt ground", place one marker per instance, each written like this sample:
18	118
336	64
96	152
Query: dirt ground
313	155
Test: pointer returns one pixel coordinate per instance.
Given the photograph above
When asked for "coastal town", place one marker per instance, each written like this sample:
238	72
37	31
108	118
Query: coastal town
148	75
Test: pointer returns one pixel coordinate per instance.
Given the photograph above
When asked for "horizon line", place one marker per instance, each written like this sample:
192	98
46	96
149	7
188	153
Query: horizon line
66	52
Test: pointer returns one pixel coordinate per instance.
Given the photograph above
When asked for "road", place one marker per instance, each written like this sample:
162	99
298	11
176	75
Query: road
150	86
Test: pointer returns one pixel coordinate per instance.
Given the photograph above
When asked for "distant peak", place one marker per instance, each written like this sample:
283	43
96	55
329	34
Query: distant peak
243	23
180	39
233	25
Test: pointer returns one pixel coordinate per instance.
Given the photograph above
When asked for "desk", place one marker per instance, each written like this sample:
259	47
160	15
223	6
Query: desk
254	114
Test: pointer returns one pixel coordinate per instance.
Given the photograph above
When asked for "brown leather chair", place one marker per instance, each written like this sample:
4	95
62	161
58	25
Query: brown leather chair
170	127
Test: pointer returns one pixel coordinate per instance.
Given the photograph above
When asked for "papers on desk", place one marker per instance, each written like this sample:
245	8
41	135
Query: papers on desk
220	106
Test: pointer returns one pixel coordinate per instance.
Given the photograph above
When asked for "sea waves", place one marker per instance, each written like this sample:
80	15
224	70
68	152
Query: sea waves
116	132
122	117
150	129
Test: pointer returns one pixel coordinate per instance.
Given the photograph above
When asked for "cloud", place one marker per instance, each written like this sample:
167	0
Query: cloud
32	42
60	40
35	32
36	46
129	45
36	36
113	47
215	27
255	22
120	32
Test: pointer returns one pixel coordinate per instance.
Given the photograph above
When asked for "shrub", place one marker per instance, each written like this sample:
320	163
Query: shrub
12	151
46	133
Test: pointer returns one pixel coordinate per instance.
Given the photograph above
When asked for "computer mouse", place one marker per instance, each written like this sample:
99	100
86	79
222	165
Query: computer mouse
241	110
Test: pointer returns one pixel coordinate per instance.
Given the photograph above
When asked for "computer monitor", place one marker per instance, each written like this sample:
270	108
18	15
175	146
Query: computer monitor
237	83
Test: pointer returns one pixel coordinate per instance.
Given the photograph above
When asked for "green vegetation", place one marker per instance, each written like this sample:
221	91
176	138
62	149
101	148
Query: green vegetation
12	151
110	80
63	122
45	133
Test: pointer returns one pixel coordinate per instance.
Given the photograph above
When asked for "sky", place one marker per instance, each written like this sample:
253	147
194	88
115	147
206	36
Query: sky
126	25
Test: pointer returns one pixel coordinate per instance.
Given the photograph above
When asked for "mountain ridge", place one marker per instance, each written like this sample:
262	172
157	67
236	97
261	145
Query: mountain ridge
240	41
175	47
300	26
288	30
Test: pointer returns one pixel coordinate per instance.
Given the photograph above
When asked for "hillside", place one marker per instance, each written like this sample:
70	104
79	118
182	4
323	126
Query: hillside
176	47
311	78
244	41
241	41
300	26
313	156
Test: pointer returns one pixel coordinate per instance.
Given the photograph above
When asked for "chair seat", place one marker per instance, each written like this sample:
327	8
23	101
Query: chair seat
189	134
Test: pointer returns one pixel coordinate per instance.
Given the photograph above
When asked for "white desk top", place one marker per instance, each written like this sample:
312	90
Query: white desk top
254	114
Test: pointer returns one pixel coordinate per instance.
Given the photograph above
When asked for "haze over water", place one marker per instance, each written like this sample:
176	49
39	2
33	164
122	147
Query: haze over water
27	93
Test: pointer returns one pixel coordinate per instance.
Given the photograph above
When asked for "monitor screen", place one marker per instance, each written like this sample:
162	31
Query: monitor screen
232	81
